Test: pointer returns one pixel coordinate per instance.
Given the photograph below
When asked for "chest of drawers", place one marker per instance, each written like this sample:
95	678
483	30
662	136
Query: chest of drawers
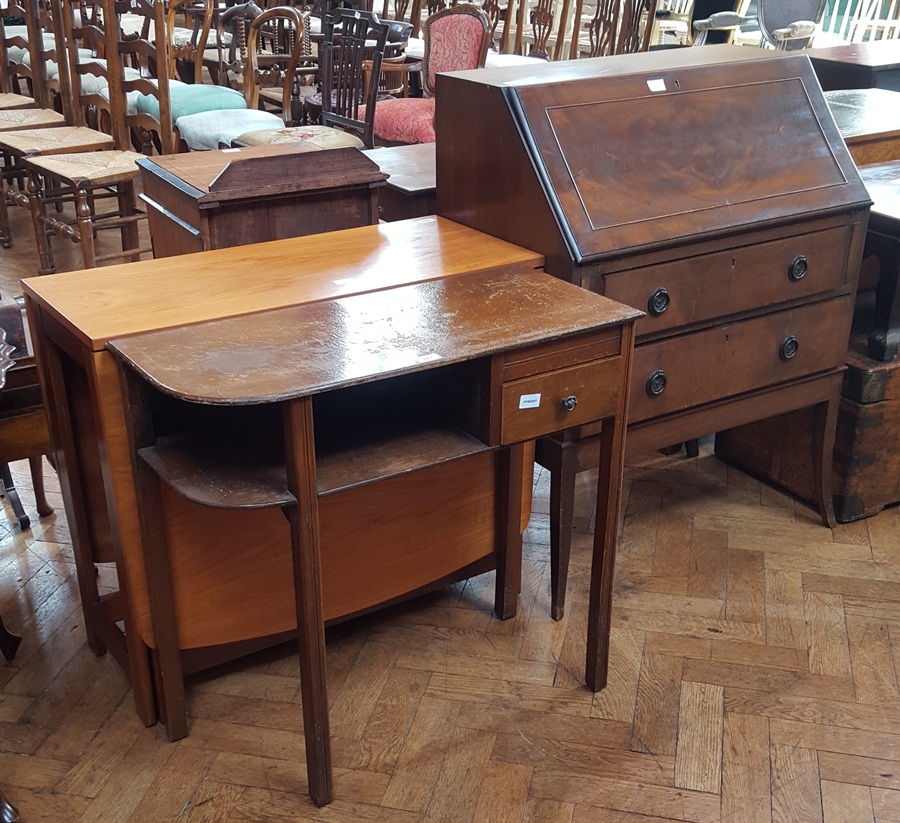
709	188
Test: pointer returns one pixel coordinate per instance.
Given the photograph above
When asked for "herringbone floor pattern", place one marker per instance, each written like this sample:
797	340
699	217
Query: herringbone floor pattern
754	678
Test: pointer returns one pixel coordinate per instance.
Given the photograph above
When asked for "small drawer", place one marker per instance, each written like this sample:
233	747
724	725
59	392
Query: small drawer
704	366
536	405
702	288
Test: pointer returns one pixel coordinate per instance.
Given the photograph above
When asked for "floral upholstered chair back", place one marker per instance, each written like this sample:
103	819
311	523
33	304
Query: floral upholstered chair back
455	39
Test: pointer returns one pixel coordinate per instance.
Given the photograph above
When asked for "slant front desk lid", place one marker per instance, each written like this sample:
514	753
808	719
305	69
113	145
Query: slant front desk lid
652	149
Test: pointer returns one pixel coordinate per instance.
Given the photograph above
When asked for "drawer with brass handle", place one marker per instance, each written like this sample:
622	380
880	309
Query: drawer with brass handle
709	286
682	372
541	404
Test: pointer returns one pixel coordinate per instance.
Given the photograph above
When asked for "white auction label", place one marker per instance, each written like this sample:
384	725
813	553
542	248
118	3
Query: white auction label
658	84
529	401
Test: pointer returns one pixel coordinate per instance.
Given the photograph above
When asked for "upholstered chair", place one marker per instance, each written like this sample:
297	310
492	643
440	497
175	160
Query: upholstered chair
455	39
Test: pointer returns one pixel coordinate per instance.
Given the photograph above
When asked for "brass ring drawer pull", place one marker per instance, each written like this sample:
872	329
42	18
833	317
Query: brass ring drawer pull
798	268
658	302
570	402
789	347
656	383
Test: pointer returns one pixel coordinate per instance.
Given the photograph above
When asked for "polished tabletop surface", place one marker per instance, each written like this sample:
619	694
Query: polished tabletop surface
883	183
275	355
97	305
411	168
865	112
881	54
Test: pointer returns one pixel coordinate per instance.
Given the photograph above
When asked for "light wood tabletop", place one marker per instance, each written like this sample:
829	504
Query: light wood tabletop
101	304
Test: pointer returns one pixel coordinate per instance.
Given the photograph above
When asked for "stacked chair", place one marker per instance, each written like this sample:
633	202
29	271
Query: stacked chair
353	44
49	72
85	179
15	72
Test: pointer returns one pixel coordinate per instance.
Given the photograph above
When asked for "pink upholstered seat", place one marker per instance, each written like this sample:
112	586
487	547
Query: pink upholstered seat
405	120
455	39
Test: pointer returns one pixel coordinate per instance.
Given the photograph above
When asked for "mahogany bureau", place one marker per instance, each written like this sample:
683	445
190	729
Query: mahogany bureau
708	187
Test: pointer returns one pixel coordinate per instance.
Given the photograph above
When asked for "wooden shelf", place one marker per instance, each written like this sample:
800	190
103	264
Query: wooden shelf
398	454
252	476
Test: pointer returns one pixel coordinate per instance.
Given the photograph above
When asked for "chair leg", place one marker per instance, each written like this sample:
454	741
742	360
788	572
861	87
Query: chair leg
36	465
12	495
8	813
39	221
127	199
85	216
9	642
5	231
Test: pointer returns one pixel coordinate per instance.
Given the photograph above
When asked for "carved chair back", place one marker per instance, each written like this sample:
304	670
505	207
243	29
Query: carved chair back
275	48
541	28
232	29
89	79
618	27
455	39
186	43
353	46
15	58
150	125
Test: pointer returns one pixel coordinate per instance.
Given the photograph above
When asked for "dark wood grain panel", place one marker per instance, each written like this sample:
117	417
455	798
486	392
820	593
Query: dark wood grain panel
738	357
740	279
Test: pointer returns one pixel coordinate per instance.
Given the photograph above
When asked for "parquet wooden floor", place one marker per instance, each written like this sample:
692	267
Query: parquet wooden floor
754	679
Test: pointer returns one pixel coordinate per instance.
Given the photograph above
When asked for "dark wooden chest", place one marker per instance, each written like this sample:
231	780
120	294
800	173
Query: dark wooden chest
221	199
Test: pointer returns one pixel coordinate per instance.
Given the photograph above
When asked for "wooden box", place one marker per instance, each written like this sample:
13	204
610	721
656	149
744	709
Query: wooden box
219	199
708	187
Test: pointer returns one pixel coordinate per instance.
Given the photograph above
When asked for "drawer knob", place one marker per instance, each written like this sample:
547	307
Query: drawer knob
658	302
798	268
656	383
570	402
789	347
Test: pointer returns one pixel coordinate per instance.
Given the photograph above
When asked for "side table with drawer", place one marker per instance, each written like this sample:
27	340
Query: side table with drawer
485	362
